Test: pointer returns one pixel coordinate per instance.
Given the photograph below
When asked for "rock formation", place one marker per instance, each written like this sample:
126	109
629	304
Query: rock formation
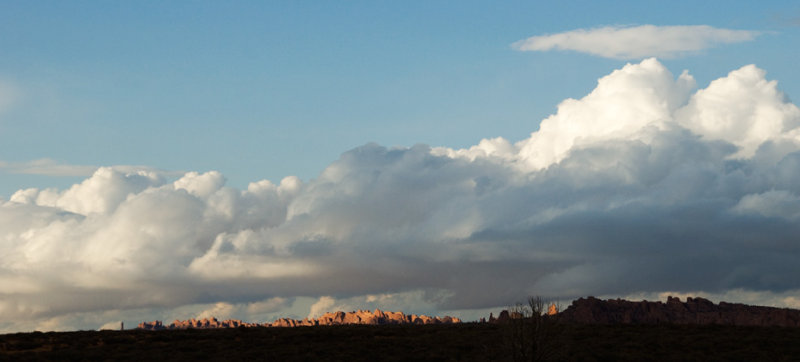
694	311
378	317
195	323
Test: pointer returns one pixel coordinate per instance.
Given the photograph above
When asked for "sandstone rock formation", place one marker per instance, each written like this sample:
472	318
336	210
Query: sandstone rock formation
378	317
694	311
195	323
366	317
502	318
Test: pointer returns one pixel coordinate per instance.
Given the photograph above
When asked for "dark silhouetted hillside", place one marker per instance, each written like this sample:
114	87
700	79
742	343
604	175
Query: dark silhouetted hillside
694	311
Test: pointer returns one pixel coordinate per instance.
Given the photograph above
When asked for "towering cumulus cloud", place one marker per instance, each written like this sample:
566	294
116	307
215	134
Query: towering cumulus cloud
642	186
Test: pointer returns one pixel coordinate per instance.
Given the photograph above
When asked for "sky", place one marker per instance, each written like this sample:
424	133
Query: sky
257	160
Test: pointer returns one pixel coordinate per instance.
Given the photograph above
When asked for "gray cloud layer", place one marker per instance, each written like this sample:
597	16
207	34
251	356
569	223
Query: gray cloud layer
644	185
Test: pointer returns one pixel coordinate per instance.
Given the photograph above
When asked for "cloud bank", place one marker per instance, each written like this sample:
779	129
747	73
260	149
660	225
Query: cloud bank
645	185
636	42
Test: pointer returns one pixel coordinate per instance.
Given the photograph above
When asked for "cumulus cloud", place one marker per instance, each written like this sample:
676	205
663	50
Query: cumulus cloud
635	42
645	185
323	305
625	102
744	109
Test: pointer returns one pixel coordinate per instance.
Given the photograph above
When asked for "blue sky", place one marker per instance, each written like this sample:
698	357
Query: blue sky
269	89
256	160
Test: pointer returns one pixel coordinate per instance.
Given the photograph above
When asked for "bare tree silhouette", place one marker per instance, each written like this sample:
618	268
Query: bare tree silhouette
533	331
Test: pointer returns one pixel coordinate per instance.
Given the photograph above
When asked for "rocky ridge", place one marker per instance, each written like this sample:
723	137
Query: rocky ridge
694	311
377	317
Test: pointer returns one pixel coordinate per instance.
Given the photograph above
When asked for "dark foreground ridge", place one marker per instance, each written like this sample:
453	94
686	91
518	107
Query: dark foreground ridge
408	342
378	317
589	330
694	311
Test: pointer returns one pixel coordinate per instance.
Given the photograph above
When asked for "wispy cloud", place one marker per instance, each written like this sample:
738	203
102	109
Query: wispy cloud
47	167
794	20
8	95
50	167
635	42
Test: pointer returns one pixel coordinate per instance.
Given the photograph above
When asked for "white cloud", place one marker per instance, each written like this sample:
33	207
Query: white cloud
625	104
220	311
201	185
644	185
772	203
101	193
636	42
323	305
742	108
111	326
